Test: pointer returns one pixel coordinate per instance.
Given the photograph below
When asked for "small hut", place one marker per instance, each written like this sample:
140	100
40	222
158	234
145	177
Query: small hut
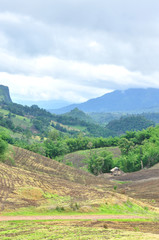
115	171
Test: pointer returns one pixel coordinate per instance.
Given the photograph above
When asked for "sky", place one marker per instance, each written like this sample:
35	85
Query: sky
69	51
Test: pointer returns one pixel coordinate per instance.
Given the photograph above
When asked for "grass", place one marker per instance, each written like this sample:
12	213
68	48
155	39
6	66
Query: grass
70	208
3	111
81	128
125	208
21	121
36	230
120	182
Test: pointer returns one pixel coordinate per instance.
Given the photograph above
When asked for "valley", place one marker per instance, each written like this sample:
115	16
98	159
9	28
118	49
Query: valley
55	175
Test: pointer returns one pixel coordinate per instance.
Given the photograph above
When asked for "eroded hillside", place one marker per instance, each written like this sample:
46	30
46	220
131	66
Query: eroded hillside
35	179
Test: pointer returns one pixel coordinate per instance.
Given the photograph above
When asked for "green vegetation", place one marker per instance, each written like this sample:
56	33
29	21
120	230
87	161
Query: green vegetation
139	150
129	123
54	136
125	208
3	147
31	230
100	163
104	118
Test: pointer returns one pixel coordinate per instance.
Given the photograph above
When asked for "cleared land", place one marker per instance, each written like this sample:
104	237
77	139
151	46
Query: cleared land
83	230
141	185
37	185
36	180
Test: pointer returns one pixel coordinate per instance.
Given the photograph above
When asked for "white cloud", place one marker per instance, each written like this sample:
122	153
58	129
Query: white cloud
47	78
76	50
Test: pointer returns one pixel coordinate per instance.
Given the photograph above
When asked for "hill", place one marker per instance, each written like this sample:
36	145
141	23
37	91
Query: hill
39	181
129	123
142	184
131	100
46	184
39	185
105	118
4	94
80	158
79	115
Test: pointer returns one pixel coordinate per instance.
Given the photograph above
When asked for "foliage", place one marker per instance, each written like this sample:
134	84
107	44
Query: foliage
55	148
3	147
130	123
100	163
125	145
141	150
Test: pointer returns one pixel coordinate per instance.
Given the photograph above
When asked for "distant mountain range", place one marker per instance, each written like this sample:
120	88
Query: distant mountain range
131	101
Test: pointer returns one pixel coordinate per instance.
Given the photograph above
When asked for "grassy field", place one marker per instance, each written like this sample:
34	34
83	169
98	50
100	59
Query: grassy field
22	121
83	230
3	111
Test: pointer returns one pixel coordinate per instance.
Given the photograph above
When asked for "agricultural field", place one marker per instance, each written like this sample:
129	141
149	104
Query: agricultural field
37	187
43	183
141	185
83	230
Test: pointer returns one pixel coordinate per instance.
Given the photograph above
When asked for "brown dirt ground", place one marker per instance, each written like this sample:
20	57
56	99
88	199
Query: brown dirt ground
73	217
146	227
142	185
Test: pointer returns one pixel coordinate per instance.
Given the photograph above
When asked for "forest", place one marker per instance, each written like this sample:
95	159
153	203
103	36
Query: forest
37	132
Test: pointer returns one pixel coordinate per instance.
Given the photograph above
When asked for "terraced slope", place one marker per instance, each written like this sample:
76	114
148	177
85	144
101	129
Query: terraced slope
42	182
36	179
143	185
36	163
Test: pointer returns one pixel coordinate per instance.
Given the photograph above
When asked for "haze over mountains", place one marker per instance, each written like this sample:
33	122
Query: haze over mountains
128	101
131	100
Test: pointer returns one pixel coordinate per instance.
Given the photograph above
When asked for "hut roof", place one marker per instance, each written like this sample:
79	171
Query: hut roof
114	169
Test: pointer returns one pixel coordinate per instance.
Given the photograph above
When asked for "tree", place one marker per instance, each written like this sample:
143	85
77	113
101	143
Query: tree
125	145
53	135
100	163
3	147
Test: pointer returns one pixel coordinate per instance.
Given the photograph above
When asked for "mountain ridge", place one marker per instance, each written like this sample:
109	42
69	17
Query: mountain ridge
4	94
130	100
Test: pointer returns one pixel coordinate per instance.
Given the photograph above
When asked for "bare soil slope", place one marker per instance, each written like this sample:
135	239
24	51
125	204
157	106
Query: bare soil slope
37	181
34	176
143	185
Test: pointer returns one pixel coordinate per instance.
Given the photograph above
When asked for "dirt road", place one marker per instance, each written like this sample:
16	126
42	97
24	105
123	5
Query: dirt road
69	217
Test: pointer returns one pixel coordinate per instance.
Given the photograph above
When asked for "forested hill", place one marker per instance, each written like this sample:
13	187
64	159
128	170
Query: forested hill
131	100
129	123
78	114
36	121
4	94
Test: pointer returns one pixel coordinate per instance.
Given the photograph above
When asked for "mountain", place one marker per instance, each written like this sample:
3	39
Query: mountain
131	100
4	94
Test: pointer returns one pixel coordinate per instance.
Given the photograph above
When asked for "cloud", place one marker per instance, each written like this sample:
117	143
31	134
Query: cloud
76	50
47	78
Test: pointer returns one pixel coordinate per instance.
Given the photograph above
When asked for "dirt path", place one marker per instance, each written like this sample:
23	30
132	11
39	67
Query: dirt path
69	217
